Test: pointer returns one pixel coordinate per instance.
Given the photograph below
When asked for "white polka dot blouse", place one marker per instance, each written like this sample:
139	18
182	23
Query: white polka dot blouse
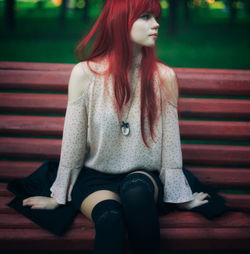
92	137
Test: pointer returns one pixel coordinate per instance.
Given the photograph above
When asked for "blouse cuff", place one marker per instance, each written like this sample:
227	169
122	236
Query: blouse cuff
176	186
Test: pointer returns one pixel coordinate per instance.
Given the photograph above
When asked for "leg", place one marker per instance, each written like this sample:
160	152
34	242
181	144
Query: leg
156	192
141	215
104	208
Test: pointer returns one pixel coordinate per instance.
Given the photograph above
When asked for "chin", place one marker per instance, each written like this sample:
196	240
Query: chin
150	45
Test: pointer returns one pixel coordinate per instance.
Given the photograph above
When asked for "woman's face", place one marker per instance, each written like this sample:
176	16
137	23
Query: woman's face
144	31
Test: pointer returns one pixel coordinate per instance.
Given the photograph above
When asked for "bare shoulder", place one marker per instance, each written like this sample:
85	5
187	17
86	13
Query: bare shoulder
169	80
166	71
79	80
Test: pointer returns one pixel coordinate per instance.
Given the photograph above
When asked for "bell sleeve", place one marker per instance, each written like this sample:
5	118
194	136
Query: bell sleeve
72	150
176	186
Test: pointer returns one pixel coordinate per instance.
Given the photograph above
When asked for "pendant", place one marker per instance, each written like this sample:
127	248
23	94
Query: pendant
125	128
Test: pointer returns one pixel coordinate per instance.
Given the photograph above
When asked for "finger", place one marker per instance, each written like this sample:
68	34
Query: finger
35	207
27	203
205	195
204	201
201	194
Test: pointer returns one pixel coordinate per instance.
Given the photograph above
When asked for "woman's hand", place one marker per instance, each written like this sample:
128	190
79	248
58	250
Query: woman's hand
199	199
41	202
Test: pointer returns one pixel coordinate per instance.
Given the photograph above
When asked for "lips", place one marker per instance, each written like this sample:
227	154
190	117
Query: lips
154	34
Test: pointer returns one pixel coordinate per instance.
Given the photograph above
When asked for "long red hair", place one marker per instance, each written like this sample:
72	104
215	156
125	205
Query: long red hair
111	34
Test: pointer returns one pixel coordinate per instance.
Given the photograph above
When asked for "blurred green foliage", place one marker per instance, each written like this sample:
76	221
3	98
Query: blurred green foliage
207	42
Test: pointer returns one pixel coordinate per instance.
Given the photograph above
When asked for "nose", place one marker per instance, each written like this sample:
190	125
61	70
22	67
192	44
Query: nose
155	24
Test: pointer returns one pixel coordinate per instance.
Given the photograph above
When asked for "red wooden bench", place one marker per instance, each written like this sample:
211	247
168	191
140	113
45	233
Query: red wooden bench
215	147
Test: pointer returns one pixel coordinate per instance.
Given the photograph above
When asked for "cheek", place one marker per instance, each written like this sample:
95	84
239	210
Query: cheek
139	32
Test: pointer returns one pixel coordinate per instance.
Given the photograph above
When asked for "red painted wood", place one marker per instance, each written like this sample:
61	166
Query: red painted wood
189	129
171	239
35	80
205	239
226	155
215	108
213	82
37	148
188	107
35	66
176	219
214	130
33	103
191	80
17	169
31	148
224	178
31	125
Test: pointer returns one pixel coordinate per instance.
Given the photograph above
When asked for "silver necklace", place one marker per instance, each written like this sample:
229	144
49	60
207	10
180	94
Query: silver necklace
125	125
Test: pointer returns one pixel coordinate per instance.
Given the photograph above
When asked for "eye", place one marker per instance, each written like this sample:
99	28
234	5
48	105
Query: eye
157	19
145	16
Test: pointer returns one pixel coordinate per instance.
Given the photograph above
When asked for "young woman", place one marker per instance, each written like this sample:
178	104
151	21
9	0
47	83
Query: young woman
121	153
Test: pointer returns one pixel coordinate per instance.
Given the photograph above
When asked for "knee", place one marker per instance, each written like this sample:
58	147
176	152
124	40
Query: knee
136	190
107	214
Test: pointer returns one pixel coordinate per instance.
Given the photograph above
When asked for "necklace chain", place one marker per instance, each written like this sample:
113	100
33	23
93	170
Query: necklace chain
125	125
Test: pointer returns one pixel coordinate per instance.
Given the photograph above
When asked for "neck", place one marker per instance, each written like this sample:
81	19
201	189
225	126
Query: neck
137	55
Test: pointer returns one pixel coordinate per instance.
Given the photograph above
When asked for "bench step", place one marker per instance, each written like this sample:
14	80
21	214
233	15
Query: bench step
224	178
198	130
54	77
201	154
176	219
171	239
188	107
235	201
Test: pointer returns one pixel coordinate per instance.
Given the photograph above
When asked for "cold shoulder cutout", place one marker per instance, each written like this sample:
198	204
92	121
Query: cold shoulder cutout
79	81
170	83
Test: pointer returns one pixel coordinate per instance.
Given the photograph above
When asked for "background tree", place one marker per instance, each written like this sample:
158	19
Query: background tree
172	16
63	12
86	10
10	17
186	11
231	5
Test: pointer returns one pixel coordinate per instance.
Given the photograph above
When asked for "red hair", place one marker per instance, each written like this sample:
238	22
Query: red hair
112	40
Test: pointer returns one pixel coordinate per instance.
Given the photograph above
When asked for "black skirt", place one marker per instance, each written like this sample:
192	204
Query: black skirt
59	220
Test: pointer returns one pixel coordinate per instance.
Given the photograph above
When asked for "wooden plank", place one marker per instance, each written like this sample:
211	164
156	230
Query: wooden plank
33	103
223	178
213	82
35	80
235	201
30	148
188	107
226	155
176	219
171	239
31	125
189	129
17	169
201	154
17	75
214	130
215	108
5	65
